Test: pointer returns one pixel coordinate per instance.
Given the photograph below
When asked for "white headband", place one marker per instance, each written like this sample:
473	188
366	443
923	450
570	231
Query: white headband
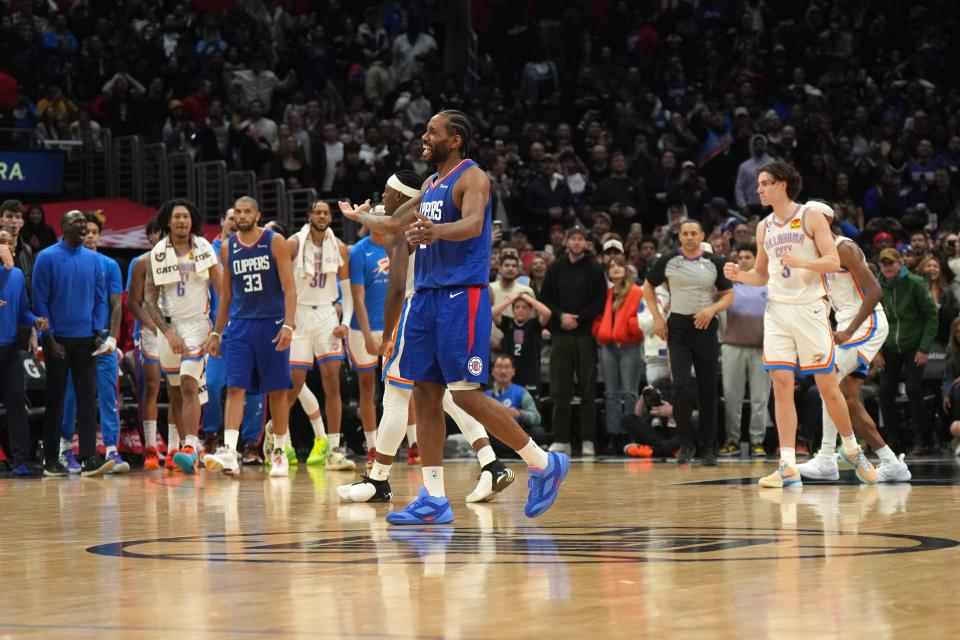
822	207
394	182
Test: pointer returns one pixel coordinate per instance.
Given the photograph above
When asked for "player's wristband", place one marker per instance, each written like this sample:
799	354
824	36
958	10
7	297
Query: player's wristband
286	326
214	333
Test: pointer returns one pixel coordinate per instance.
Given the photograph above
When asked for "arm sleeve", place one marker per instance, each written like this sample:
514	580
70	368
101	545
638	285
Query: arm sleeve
101	299
529	415
114	280
930	317
347	303
658	272
723	283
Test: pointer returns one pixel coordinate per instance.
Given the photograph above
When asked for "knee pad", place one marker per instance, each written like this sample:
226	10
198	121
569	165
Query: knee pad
308	401
469	427
393	423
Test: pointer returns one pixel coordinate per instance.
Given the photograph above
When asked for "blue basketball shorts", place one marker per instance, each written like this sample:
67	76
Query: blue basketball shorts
447	336
251	359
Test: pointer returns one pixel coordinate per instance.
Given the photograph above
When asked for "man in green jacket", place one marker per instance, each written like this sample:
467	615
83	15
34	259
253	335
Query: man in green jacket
912	316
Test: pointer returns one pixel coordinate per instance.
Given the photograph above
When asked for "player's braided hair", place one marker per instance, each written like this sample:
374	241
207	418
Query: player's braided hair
458	124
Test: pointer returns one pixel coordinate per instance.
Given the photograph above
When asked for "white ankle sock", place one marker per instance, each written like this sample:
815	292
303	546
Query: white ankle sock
485	456
371	438
380	471
411	434
173	436
110	449
433	481
788	456
334	439
280	442
534	456
193	441
318	430
887	455
850	442
65	445
230	438
150	433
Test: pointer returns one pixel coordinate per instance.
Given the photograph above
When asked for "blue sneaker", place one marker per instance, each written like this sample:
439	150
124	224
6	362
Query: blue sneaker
68	460
120	465
544	484
24	470
424	510
186	459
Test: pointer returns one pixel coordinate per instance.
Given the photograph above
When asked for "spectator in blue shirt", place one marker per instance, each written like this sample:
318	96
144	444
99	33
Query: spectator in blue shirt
108	362
68	289
14	311
518	402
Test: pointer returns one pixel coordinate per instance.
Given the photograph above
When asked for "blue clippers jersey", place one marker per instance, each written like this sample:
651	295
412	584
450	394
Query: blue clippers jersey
370	266
446	263
255	280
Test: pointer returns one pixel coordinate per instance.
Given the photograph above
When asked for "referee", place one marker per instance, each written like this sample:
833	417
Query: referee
694	277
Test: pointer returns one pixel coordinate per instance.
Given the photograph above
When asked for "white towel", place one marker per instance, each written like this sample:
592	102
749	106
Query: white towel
330	250
166	266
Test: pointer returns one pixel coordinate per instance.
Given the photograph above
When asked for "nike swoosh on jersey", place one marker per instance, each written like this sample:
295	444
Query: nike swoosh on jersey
454	295
368	253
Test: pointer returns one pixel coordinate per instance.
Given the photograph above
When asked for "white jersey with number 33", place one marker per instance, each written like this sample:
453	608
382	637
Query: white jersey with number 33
791	285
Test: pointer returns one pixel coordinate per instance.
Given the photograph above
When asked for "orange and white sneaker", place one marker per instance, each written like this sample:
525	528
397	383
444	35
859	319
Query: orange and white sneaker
784	476
866	473
151	460
168	463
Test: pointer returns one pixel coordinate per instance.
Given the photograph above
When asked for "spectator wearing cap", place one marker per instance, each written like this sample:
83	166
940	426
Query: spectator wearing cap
602	223
622	196
574	290
691	190
912	316
741	355
612	248
748	200
695	278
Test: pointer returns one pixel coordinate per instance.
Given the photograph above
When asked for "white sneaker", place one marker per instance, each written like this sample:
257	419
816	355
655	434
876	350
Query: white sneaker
894	472
267	440
587	450
820	467
492	481
279	465
338	461
225	459
560	447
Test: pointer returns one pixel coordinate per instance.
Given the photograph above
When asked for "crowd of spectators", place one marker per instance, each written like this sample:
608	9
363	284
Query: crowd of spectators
621	119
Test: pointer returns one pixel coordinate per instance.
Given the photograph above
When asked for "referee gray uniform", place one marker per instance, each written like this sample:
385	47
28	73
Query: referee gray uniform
693	284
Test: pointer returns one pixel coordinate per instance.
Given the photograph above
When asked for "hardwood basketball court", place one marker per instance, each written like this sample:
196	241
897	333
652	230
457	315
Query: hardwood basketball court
631	549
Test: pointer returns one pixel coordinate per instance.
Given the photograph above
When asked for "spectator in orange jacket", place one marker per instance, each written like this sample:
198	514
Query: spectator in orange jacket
621	348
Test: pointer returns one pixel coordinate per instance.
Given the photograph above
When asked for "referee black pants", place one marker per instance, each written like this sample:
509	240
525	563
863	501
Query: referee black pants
79	362
699	348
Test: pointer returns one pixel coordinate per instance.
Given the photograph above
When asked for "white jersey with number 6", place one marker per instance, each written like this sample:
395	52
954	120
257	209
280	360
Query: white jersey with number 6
189	298
791	285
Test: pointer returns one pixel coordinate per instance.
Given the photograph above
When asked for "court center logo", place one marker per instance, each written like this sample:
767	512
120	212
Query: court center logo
536	545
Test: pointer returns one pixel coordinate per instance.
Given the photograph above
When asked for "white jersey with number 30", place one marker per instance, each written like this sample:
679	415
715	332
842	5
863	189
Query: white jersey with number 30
317	290
791	285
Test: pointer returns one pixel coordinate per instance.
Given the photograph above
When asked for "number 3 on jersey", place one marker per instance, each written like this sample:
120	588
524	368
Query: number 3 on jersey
252	282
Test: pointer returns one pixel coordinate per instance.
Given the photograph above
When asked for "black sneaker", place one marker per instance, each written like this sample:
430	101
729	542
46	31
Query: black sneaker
493	478
366	490
53	469
709	458
686	455
96	466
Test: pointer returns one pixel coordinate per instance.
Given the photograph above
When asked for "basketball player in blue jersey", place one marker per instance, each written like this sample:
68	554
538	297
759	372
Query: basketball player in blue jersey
369	277
148	359
447	329
259	299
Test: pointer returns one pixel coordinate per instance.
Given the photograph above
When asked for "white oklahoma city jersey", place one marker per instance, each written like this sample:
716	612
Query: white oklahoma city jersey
846	296
189	298
317	290
786	284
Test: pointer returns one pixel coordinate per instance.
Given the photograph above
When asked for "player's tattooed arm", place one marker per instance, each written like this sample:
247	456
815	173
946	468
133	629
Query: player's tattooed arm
151	297
135	293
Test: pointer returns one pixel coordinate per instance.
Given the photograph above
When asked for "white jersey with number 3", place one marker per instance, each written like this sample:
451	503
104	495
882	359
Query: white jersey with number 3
791	285
317	290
